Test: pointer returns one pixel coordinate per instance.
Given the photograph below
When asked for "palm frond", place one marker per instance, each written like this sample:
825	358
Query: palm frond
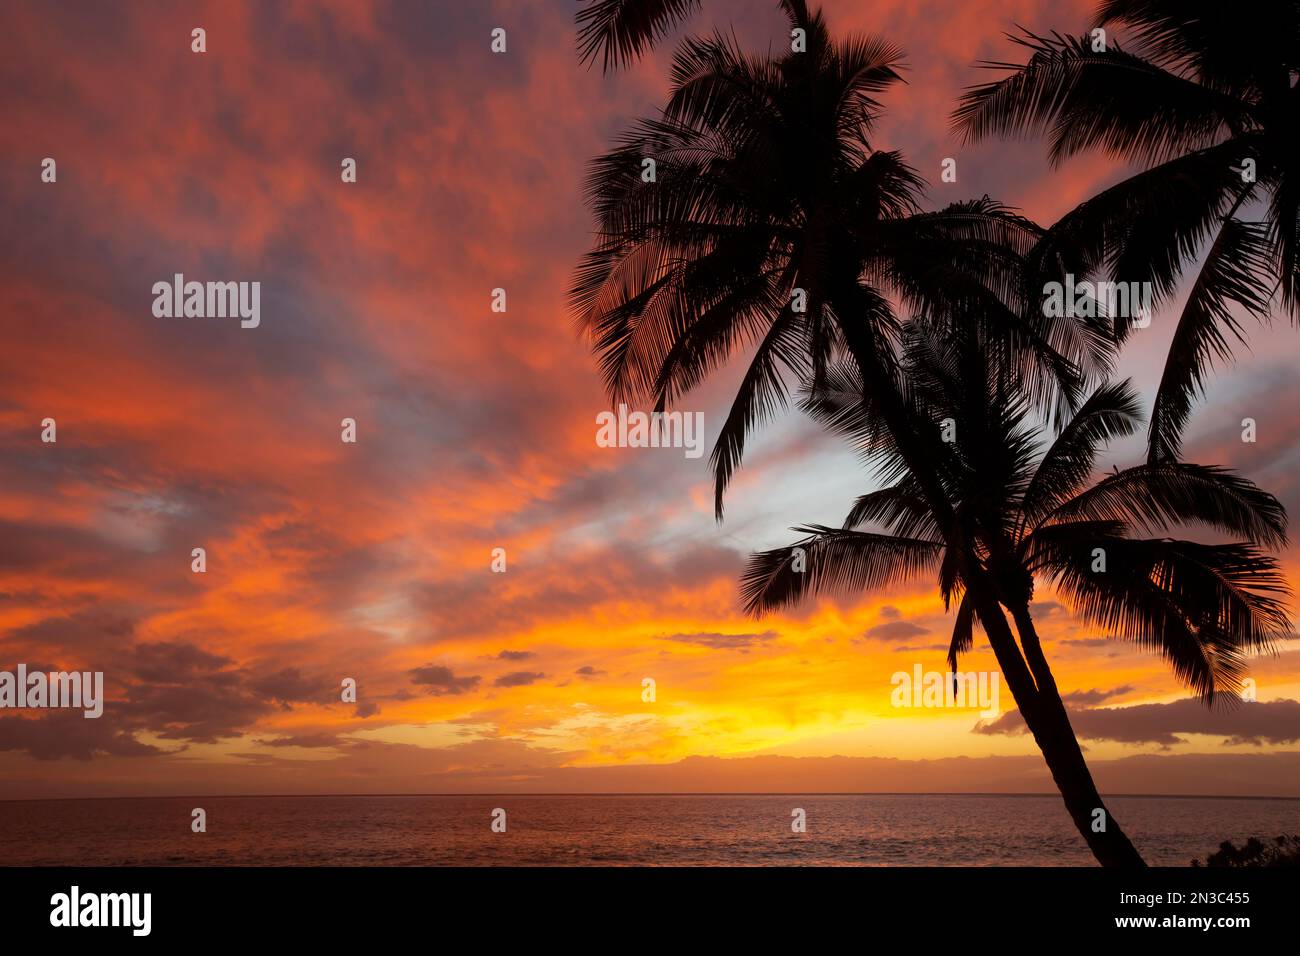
1235	275
1106	99
1170	494
1211	41
1203	607
619	31
1111	411
762	393
837	561
963	631
901	508
1146	228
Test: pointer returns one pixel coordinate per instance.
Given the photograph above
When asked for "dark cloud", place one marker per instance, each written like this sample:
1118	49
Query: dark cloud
303	740
70	734
515	655
1271	722
518	679
289	686
588	672
895	630
174	691
202	711
1046	609
172	662
1091	698
723	642
441	681
95	632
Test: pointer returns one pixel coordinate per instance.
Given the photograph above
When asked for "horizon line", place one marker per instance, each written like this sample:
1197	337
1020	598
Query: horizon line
640	793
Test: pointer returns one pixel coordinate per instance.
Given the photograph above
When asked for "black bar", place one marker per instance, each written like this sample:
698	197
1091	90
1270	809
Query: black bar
536	906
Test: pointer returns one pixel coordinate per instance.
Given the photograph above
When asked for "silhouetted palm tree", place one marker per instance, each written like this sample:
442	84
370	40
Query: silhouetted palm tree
1207	89
1038	517
765	186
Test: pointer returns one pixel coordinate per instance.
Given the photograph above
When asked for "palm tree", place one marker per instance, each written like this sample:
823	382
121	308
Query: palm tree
767	210
771	227
1205	102
1038	518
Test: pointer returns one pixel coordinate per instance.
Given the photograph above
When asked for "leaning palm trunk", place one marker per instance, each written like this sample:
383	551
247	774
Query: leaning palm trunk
1051	729
1030	683
1049	723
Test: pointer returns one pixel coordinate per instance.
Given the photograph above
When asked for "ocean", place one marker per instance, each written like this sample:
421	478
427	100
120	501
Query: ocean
616	830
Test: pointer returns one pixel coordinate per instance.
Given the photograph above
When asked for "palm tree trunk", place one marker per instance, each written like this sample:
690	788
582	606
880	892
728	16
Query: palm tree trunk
1041	707
1050	725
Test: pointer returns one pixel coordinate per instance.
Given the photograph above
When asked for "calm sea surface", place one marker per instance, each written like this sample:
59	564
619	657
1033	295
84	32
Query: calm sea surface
696	830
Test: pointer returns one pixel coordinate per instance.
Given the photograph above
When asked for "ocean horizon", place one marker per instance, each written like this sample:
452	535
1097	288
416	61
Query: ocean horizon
612	829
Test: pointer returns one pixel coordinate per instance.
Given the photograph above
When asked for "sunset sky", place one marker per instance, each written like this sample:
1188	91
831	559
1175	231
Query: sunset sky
475	430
